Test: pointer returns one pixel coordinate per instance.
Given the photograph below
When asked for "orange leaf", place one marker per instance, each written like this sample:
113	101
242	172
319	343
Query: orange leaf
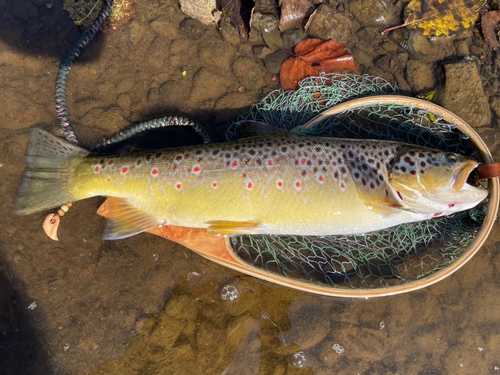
313	56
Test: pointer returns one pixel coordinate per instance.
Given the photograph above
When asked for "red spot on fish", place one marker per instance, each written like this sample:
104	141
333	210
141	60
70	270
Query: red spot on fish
138	163
97	169
270	163
154	172
279	184
321	178
215	185
196	169
334	164
298	185
110	162
125	169
342	185
303	161
235	164
249	185
178	186
109	180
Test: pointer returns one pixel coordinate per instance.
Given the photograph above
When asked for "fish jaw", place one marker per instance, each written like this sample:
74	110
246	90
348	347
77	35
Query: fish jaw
462	173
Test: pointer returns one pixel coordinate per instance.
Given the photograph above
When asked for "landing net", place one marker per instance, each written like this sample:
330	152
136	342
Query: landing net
386	258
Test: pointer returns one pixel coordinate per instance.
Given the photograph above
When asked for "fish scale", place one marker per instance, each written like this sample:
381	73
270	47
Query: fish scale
276	184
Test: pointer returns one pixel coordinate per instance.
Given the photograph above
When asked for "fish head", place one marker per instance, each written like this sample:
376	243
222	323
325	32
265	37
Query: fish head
434	182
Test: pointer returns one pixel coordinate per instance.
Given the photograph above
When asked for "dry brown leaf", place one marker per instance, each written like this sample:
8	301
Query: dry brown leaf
238	15
204	11
490	24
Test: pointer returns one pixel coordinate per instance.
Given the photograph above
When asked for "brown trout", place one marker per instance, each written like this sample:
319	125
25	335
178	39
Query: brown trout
275	184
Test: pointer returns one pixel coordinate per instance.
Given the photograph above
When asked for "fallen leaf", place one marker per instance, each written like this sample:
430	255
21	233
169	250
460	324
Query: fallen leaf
438	17
314	56
204	11
238	15
490	24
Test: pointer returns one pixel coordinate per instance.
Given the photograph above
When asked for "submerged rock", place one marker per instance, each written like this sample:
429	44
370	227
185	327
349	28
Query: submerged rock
420	75
463	94
326	23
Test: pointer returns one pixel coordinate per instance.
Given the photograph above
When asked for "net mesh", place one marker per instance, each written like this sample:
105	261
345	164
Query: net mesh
386	258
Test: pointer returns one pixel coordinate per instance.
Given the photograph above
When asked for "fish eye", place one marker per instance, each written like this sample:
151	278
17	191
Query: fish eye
452	159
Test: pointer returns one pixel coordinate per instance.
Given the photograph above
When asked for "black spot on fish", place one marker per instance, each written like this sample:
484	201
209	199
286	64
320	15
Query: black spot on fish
303	173
377	182
274	153
396	167
350	154
407	159
251	152
422	171
237	147
403	169
318	149
324	169
421	155
259	161
356	175
309	163
158	155
371	161
412	153
423	164
364	167
301	145
336	174
386	153
334	153
378	166
228	155
413	172
363	147
372	185
363	181
320	162
296	162
343	170
342	146
216	152
284	149
315	169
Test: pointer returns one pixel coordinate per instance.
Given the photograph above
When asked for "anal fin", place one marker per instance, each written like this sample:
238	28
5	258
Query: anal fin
231	227
125	220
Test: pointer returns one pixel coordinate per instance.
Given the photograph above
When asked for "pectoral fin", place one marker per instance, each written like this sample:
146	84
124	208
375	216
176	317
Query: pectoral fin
125	220
231	227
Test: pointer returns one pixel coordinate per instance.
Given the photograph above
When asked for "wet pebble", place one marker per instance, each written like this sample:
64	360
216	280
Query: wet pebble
310	323
327	23
463	94
191	29
375	12
249	72
292	37
165	29
420	76
273	61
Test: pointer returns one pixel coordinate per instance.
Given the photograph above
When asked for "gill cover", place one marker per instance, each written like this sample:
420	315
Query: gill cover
426	171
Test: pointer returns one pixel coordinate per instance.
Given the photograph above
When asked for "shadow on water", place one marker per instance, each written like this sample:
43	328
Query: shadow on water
39	27
21	348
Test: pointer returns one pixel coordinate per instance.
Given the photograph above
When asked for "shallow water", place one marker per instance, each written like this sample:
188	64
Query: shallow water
145	305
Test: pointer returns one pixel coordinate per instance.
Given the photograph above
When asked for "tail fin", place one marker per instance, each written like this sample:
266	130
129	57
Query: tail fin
45	174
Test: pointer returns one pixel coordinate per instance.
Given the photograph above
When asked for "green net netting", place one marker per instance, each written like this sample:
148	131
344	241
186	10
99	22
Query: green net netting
391	257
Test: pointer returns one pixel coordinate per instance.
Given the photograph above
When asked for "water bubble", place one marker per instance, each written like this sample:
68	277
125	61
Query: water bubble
299	359
229	293
66	347
382	324
480	349
155	256
48	5
496	368
338	349
32	305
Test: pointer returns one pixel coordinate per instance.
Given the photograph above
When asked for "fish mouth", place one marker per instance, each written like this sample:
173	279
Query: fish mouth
462	174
